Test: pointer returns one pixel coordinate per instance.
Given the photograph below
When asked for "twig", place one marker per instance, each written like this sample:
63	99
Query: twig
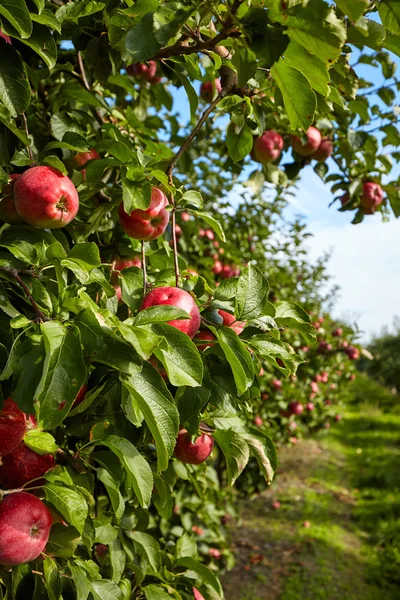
144	269
74	462
41	317
180	48
83	72
27	133
192	135
174	242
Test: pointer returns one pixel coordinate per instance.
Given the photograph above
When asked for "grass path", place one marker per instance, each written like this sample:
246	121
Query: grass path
339	494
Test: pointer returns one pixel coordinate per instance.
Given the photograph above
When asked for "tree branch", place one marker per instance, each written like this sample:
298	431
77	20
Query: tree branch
174	242
27	133
180	48
83	72
40	316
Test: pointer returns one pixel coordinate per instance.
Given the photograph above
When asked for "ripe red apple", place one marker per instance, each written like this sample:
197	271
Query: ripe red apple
8	212
268	147
327	425
353	353
276	504
82	158
338	417
197	595
197	530
312	143
214	553
296	408
230	321
310	406
352	377
25	524
80	396
209	89
146	71
118	292
45	198
372	195
314	387
227	271
22	465
258	421
204	335
324	150
306	524
12	427
190	452
293	440
264	396
276	384
324	347
146	224
124	263
338	332
328	402
185	216
292	425
173	296
217	268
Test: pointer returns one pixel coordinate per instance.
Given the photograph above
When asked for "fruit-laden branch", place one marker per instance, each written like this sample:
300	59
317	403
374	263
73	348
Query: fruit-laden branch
40	317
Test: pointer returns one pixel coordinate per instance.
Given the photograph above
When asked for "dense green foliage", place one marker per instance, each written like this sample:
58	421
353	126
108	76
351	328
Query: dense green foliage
385	366
72	102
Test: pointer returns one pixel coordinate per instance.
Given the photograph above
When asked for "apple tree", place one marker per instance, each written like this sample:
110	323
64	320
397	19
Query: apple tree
129	355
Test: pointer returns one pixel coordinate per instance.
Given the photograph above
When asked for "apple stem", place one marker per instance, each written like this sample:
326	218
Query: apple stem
40	316
27	133
144	269
174	243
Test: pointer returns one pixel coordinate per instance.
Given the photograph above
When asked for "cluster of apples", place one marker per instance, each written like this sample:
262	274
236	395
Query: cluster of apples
268	147
144	71
25	521
370	198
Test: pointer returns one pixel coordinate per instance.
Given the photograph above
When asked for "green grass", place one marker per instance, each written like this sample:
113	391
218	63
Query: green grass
347	485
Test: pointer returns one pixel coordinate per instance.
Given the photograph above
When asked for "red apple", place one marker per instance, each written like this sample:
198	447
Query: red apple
82	158
217	268
314	387
118	292
324	347
292	425
296	408
80	396
146	71
204	335
276	504
214	553
264	396
276	384
353	353
45	198
258	421
185	216
306	524
310	406
344	199
268	147
197	530
338	417
146	224
372	195
193	453
327	425
328	402
209	89
173	296
25	524
338	332
22	465
324	150
230	321
227	272
8	212
312	143
124	263
12	427
197	595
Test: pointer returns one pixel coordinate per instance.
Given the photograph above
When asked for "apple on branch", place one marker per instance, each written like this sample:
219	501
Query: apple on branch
312	141
174	296
146	224
12	427
190	452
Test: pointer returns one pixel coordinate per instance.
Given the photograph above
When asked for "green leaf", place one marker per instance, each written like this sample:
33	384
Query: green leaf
213	223
252	295
203	572
55	162
78	9
389	12
148	390
299	99
312	67
140	40
82	259
237	356
16	12
64	372
239	145
270	349
117	560
373	37
69	503
8	122
292	315
15	92
137	468
132	287
74	91
263	449
46	17
52	578
136	194
5	304
156	592
353	8
190	92
106	590
179	355
148	548
392	43
235	450
245	63
112	488
42	42
191	401
103	346
63	541
40	442
160	314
